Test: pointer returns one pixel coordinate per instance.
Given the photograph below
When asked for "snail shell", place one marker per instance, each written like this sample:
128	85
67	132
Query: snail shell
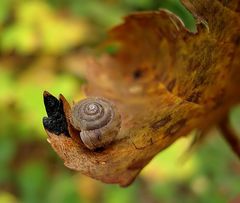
98	121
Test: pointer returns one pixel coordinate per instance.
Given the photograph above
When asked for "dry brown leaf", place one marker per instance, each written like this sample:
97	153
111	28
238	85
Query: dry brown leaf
165	81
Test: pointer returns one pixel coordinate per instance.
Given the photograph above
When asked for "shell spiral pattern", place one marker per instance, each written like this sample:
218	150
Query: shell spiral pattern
97	120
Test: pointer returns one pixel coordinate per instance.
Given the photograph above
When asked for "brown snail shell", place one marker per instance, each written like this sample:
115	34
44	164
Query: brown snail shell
98	121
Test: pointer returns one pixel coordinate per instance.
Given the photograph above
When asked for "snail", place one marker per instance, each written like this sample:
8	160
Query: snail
98	121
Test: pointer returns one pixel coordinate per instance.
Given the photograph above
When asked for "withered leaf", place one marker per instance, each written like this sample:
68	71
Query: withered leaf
165	82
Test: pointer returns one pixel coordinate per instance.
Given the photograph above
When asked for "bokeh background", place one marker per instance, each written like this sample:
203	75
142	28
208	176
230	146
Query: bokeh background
43	45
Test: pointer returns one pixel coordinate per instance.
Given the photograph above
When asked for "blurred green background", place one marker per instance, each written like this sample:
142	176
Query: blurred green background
42	47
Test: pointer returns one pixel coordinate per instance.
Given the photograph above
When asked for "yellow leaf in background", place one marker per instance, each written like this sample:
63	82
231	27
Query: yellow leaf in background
31	13
6	197
20	38
168	165
59	35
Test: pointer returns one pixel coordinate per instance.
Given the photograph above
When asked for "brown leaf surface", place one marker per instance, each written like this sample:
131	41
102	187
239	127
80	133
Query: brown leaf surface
165	82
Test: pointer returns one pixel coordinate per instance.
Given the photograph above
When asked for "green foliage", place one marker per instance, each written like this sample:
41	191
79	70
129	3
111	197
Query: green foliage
34	173
177	7
235	118
36	27
114	194
5	6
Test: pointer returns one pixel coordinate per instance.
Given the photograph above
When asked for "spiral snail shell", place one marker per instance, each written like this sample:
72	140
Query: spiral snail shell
97	120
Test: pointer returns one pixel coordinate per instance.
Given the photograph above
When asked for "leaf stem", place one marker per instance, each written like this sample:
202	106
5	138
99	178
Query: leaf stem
230	136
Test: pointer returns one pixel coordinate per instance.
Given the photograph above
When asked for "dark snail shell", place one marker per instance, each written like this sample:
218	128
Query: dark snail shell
97	120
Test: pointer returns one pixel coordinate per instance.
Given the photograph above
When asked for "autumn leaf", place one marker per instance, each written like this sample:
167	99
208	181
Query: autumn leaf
164	81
